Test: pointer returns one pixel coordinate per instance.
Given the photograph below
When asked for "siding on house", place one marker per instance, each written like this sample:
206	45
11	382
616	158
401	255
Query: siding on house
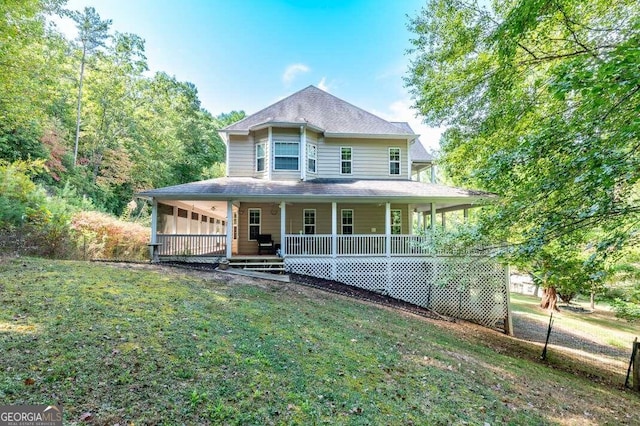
370	158
242	160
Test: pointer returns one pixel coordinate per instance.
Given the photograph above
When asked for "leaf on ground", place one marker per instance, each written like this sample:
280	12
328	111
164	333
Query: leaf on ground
29	381
86	417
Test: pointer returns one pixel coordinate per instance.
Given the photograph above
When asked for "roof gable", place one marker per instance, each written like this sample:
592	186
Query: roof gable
317	108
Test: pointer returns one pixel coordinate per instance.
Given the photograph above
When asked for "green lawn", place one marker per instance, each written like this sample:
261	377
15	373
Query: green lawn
601	325
159	346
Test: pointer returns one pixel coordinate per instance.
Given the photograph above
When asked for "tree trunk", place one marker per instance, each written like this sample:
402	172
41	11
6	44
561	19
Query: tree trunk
75	150
550	299
593	301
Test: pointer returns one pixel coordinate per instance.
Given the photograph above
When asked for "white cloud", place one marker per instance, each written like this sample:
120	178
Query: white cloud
292	71
323	85
401	110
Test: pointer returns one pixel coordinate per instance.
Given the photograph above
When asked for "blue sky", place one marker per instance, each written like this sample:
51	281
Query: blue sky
247	54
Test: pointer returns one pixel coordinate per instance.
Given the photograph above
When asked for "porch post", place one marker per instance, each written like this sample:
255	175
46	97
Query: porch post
154	231
229	244
433	216
174	220
387	228
444	221
154	221
334	239
283	227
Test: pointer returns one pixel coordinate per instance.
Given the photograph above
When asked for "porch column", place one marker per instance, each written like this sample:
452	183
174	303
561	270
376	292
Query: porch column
283	227
334	239
174	220
387	228
154	231
433	216
154	221
229	245
424	221
444	221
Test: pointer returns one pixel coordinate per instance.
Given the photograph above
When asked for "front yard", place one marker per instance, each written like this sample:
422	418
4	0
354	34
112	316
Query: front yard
152	345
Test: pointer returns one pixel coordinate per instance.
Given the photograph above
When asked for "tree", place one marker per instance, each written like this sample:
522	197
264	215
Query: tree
92	33
541	101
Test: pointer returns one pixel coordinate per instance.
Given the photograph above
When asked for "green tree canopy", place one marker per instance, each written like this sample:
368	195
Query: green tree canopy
541	101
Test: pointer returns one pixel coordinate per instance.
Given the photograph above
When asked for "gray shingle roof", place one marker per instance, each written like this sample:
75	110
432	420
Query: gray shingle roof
418	152
322	110
319	189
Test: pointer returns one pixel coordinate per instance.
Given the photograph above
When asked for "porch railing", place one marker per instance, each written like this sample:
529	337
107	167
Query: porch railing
356	245
191	245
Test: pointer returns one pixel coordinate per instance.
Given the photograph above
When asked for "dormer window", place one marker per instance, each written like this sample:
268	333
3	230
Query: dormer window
286	155
394	161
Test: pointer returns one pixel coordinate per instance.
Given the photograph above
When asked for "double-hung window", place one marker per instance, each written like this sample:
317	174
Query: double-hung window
347	221
309	221
286	155
312	157
394	161
260	154
254	223
396	222
346	159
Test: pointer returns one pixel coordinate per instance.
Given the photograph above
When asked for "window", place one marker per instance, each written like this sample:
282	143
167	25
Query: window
394	161
396	222
312	156
260	157
347	221
286	156
183	213
235	225
309	221
254	223
345	160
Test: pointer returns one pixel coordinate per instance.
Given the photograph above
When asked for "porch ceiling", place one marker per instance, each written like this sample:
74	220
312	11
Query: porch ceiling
320	190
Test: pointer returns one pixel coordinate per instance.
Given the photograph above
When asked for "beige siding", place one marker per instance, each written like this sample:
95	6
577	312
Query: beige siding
370	158
241	156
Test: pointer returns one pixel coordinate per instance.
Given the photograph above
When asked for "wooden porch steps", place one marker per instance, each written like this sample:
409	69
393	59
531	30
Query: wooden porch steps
272	264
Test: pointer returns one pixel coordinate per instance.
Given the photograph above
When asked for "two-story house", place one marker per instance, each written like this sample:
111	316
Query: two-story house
322	184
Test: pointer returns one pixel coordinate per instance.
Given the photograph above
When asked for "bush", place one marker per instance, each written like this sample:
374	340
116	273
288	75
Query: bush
99	235
626	310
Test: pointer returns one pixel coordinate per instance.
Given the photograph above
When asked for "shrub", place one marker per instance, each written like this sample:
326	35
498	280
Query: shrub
99	235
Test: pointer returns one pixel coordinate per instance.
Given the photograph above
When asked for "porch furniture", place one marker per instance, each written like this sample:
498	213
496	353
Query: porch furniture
265	243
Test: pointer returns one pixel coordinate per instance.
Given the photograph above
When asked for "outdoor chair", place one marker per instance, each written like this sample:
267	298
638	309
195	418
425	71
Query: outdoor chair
265	243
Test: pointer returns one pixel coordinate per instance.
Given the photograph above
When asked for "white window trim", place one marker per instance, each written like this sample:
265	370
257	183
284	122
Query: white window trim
275	142
314	158
353	222
399	161
350	161
400	225
249	224
315	221
264	157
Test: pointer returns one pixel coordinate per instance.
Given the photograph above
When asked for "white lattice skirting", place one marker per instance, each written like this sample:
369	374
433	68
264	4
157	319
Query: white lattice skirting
470	288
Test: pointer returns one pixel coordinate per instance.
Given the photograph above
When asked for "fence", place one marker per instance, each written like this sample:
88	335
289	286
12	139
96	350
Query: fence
470	288
191	245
